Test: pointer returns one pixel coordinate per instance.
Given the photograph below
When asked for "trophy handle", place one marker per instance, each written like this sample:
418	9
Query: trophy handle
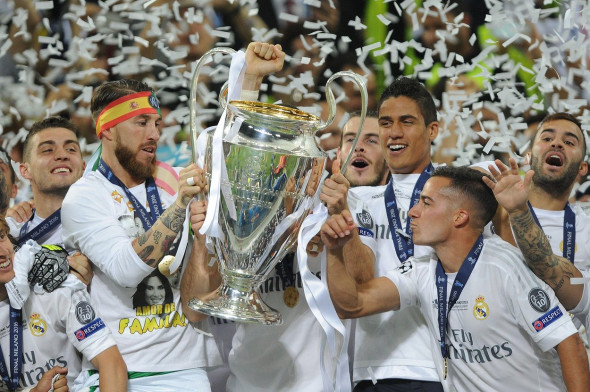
360	82
193	96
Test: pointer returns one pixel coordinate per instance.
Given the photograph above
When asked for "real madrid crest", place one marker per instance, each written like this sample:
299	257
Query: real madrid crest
481	311
116	196
37	325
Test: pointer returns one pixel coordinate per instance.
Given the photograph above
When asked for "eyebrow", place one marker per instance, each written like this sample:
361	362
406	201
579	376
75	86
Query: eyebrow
425	197
401	118
147	117
53	143
567	133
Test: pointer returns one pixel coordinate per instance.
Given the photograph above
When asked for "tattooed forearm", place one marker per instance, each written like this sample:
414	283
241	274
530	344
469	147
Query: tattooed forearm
143	238
155	243
539	256
146	252
167	243
173	218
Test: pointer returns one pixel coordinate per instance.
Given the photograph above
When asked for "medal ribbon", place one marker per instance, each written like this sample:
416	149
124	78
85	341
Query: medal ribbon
147	218
285	270
404	246
41	229
569	230
16	351
458	285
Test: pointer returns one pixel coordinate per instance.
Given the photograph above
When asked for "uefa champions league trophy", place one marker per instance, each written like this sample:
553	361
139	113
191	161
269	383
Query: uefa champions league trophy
273	170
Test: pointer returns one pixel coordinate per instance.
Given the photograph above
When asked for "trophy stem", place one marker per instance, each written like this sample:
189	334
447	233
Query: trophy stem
238	300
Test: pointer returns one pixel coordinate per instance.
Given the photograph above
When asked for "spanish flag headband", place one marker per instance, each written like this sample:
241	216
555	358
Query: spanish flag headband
124	108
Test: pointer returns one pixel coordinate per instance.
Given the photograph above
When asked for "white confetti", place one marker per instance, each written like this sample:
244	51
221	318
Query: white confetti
383	19
43	5
288	17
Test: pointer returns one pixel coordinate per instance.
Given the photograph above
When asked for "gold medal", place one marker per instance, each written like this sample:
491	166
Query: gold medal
445	368
164	265
291	296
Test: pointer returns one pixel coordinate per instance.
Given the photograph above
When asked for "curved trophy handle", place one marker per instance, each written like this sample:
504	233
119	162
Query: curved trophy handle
360	82
193	96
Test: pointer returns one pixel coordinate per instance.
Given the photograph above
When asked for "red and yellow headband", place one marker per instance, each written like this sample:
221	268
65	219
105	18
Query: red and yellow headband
126	107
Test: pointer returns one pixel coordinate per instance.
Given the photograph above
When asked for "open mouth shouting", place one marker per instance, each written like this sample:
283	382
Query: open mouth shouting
555	159
359	163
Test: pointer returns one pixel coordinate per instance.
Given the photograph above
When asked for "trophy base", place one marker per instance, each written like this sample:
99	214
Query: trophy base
237	305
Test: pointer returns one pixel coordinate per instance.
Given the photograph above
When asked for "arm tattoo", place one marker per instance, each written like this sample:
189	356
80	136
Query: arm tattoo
157	236
152	263
145	253
539	256
167	243
142	239
174	218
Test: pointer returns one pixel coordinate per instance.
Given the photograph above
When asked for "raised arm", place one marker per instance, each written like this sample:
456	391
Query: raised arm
352	299
512	193
198	278
358	258
262	59
574	363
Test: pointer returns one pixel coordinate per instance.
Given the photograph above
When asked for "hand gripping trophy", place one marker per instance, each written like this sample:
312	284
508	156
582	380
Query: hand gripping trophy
264	170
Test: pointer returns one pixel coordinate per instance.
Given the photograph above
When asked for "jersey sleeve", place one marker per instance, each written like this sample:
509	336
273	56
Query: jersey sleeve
90	225
582	309
404	278
85	329
536	308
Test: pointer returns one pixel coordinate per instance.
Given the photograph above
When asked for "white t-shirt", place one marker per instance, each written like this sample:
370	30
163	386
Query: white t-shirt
54	237
57	327
502	328
282	357
152	333
390	344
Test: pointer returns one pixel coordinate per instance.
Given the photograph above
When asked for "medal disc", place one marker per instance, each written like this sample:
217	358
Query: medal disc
164	265
291	296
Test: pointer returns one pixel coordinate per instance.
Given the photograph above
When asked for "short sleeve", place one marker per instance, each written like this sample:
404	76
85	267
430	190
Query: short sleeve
85	329
537	309
404	279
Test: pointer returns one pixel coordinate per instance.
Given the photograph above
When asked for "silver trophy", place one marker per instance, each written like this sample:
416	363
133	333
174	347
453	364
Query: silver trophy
273	172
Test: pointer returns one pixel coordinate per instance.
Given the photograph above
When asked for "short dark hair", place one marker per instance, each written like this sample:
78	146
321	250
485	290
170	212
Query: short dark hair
414	90
468	183
4	228
110	91
567	117
6	158
49	122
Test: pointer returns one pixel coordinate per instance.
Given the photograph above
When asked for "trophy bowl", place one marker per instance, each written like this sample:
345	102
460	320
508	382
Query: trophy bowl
270	171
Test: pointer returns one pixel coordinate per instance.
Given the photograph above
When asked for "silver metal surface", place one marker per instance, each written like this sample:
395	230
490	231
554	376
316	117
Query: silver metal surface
274	169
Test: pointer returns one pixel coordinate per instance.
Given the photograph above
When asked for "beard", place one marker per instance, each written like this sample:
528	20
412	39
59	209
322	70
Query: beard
554	185
374	180
135	168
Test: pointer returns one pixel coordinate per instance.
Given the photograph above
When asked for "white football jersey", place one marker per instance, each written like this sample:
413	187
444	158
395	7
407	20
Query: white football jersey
552	224
143	311
502	329
57	328
53	237
406	355
282	357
